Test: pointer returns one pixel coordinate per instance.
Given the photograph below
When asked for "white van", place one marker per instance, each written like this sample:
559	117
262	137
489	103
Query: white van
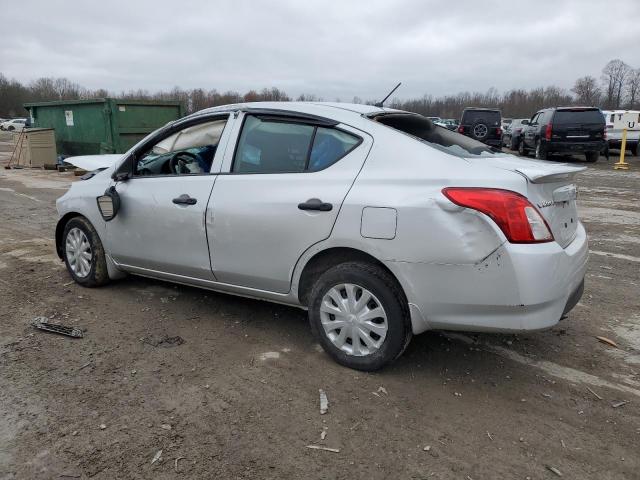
619	119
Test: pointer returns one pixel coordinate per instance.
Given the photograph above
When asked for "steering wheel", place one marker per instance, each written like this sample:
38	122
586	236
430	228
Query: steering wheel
176	165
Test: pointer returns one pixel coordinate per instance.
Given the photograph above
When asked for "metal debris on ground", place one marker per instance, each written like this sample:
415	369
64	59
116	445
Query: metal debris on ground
156	457
554	470
327	449
619	404
42	323
323	434
85	365
175	463
324	402
165	426
595	394
165	342
383	390
608	341
428	447
102	426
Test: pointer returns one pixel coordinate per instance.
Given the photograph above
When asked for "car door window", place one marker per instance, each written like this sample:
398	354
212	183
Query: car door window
269	145
189	151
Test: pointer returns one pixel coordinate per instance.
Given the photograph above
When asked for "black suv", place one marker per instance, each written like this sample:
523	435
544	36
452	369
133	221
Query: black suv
565	130
482	124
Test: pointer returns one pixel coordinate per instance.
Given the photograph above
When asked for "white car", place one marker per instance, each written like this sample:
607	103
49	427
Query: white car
16	124
619	120
379	223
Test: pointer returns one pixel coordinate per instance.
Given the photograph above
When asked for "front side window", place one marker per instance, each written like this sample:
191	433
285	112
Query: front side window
187	152
269	145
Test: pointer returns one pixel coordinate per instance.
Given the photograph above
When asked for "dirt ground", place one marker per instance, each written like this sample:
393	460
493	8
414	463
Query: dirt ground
239	398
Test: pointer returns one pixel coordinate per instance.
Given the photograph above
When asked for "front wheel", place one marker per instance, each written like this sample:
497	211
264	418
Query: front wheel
592	157
359	314
84	254
541	152
522	151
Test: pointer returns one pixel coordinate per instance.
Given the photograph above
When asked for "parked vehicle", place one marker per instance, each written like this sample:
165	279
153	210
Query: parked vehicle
380	223
505	122
16	124
511	134
565	131
449	123
483	125
616	121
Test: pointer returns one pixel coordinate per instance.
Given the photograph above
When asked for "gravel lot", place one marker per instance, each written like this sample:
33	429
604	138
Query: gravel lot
239	398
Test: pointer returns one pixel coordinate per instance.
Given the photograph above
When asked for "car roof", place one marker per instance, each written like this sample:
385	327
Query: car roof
341	112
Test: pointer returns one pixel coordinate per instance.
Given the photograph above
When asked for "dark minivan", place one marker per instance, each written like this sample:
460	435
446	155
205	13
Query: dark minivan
565	130
482	124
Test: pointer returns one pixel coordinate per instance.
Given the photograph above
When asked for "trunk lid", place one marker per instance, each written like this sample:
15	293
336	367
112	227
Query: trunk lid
550	188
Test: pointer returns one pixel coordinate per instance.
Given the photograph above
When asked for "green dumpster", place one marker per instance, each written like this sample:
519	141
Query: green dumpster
102	125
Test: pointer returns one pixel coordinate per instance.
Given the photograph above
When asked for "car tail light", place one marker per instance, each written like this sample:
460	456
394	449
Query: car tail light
547	132
518	219
460	129
518	130
604	134
498	131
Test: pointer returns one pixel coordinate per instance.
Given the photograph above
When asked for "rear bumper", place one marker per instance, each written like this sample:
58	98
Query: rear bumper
617	142
517	288
574	147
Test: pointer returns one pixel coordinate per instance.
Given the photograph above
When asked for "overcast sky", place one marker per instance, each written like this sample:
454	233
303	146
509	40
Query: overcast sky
332	48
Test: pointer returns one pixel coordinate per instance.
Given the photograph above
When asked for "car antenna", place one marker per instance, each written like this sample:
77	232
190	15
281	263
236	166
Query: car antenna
381	104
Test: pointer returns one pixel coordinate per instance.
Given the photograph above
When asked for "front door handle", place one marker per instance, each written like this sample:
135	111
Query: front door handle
185	199
315	204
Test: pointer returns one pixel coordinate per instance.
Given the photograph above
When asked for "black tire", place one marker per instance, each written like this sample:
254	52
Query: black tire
541	152
474	134
386	291
514	144
592	157
522	150
97	274
11	128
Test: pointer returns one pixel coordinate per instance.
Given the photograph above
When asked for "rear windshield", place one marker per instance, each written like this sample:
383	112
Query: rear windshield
436	136
472	116
578	116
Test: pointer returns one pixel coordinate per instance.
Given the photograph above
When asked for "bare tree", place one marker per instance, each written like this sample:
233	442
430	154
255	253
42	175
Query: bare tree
614	76
633	88
587	91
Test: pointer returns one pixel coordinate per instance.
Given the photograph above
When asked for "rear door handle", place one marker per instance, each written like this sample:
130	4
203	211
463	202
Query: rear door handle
315	204
185	199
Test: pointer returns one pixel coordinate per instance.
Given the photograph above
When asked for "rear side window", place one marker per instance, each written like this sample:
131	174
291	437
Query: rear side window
469	117
578	116
278	146
329	146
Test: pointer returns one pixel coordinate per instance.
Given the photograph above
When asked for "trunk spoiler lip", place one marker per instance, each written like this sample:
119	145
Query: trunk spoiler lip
536	171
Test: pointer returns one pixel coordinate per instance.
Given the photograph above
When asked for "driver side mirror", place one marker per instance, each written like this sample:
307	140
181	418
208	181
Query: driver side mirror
109	204
124	171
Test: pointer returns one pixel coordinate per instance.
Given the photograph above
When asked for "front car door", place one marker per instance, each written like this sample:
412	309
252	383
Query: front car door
160	227
279	193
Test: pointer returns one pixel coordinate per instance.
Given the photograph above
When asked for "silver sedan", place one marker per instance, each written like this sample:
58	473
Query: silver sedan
378	222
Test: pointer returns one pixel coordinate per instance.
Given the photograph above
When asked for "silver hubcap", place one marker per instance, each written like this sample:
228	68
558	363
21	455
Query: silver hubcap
353	319
480	130
79	253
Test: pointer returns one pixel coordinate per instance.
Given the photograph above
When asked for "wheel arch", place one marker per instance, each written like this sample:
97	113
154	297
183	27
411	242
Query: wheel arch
324	259
60	230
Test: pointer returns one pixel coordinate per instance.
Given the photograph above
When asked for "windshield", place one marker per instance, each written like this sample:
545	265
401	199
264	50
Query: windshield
436	136
578	116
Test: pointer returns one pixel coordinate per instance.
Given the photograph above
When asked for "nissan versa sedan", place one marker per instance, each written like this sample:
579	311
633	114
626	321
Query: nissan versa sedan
378	222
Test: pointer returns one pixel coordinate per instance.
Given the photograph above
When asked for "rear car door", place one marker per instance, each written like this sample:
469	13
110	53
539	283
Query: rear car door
280	192
160	226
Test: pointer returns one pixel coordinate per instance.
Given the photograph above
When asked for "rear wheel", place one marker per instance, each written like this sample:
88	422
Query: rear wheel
359	314
634	149
515	144
84	254
592	156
